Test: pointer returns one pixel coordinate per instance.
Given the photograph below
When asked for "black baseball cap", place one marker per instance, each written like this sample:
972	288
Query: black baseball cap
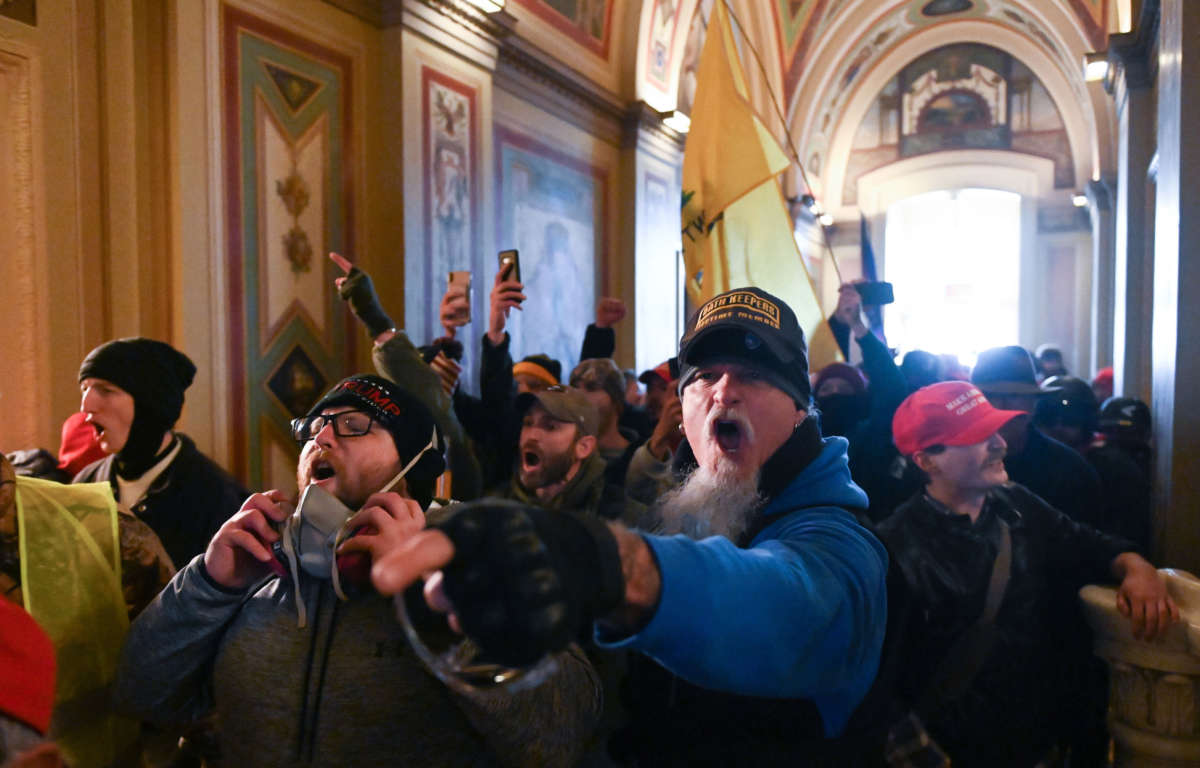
1007	371
753	327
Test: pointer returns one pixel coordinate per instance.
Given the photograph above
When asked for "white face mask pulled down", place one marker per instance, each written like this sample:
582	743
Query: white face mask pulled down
310	536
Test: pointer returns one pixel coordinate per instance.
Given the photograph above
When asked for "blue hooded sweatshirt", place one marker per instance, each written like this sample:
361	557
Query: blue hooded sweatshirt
798	614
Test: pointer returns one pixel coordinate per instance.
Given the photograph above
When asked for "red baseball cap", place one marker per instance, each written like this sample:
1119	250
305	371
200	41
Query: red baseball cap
26	667
661	371
946	413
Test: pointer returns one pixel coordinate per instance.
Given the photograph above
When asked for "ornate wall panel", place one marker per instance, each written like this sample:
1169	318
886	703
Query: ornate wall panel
552	207
668	21
450	161
21	397
288	155
587	22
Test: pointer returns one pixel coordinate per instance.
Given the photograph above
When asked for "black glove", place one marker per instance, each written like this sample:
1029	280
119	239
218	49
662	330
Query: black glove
359	291
526	581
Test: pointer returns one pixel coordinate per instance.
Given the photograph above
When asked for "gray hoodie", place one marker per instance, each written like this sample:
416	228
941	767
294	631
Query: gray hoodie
346	690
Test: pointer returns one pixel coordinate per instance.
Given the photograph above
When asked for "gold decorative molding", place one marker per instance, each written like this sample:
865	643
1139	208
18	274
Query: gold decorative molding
294	193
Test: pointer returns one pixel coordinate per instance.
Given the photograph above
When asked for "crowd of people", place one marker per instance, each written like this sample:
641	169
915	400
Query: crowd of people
728	559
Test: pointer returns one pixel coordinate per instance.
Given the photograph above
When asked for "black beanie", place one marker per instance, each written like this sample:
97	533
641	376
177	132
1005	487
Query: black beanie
155	374
404	417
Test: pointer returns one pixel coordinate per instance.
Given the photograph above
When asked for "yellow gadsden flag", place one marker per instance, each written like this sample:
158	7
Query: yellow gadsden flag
736	227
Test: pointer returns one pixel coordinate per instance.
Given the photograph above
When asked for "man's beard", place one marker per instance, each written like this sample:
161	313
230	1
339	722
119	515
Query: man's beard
710	503
550	470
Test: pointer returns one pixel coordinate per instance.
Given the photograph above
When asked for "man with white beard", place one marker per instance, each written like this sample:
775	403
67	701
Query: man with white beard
767	634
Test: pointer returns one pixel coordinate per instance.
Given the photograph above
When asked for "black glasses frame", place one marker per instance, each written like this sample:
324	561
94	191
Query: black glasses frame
306	428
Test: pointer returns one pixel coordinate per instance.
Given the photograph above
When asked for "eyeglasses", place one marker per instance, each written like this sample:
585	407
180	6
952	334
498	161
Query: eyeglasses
345	424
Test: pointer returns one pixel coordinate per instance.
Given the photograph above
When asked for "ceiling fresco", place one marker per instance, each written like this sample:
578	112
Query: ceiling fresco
800	22
898	24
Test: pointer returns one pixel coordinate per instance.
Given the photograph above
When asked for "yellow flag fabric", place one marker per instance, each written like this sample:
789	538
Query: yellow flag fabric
69	545
736	228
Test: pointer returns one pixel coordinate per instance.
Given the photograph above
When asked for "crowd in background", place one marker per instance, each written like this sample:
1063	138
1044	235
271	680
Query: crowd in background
595	444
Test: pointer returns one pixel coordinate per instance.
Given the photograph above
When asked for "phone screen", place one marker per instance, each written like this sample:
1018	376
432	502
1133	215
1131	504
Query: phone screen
459	283
509	260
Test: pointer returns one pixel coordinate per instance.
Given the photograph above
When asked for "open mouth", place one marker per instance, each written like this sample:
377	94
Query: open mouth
728	434
322	470
531	459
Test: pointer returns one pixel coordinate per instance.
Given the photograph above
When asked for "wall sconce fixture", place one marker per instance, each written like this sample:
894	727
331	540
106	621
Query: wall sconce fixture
1079	200
1095	66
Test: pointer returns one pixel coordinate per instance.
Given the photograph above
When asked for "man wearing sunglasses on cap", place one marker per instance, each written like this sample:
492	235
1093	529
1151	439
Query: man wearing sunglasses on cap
277	629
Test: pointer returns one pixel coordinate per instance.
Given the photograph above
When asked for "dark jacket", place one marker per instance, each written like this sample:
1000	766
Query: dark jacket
760	651
345	690
1127	494
1014	708
875	464
186	504
490	420
1060	476
588	492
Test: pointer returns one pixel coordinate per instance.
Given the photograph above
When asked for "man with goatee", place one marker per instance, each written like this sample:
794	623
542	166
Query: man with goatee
764	614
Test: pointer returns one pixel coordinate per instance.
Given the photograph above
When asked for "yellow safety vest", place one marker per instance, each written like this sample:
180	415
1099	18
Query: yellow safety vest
71	581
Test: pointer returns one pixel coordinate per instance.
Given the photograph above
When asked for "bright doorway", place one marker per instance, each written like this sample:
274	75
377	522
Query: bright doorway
954	259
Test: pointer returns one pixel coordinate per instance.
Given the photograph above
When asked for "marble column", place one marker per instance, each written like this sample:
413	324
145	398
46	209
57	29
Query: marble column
1154	688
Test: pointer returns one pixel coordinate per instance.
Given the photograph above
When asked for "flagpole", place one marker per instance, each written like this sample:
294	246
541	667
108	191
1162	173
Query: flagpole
783	122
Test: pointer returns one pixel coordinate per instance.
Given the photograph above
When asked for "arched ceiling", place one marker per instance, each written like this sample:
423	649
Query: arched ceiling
804	24
860	46
827	59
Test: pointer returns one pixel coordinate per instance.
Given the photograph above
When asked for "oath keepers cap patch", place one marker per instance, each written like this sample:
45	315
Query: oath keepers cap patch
741	305
750	325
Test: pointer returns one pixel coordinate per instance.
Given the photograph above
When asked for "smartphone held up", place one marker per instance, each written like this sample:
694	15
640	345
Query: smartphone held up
510	264
875	293
459	285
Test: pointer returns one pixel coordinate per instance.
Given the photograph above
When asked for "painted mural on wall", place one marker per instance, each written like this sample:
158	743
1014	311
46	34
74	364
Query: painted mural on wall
587	22
665	23
450	162
548	207
289	201
690	62
960	97
955	98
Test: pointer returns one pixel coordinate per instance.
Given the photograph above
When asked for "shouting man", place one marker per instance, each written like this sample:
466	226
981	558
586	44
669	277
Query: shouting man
132	395
301	661
767	617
